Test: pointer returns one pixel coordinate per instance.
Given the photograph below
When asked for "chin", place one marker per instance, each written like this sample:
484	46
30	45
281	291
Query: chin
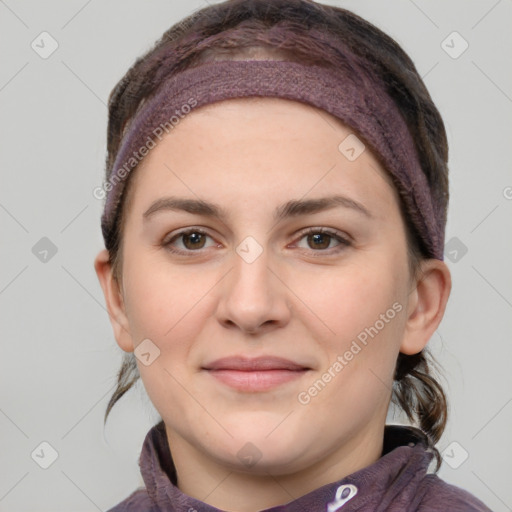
256	459
261	448
264	427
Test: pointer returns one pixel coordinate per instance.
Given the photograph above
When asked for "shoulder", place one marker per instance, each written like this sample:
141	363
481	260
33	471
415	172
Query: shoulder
440	495
137	501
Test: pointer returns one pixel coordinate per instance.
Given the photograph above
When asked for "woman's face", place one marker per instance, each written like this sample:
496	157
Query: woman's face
257	232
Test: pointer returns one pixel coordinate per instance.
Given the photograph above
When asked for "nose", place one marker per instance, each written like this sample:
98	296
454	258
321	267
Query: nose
253	297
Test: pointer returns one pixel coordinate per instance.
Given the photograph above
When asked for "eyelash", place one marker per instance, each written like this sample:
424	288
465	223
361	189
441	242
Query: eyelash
344	241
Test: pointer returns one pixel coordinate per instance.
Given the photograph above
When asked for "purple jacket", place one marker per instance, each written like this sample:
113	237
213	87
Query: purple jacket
397	482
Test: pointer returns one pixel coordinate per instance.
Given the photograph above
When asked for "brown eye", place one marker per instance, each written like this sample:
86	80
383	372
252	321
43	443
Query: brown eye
189	241
319	241
194	240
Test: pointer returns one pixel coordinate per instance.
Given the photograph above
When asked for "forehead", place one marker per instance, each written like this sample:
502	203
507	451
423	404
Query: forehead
258	144
260	116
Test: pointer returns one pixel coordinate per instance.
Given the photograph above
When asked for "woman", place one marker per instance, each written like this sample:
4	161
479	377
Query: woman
276	196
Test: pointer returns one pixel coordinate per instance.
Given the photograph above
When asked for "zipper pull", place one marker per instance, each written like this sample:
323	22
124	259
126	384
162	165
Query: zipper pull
343	494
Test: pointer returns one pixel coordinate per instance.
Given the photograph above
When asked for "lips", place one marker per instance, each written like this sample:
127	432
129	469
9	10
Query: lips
256	374
255	364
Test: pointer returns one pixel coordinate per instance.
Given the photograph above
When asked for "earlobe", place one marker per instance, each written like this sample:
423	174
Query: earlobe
426	305
114	301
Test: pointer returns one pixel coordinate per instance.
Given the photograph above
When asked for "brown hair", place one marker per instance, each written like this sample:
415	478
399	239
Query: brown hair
235	27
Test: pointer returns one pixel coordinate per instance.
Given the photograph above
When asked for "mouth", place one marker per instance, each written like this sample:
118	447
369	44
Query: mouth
257	374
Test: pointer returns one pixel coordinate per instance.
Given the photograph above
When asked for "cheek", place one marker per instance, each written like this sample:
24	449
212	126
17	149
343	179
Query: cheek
169	306
352	299
364	307
161	298
353	386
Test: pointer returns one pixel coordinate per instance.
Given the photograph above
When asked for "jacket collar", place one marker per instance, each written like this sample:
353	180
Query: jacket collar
405	459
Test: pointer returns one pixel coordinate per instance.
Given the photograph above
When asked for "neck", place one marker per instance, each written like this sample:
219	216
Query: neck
215	484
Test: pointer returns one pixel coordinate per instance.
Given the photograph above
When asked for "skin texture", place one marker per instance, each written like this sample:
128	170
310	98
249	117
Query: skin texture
295	300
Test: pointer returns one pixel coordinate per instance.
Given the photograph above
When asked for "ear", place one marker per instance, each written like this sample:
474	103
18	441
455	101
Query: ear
114	300
426	305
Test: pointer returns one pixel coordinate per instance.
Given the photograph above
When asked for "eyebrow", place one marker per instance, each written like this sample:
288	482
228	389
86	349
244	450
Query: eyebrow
293	208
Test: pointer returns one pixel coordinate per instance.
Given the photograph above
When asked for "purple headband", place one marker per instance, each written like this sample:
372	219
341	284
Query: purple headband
352	95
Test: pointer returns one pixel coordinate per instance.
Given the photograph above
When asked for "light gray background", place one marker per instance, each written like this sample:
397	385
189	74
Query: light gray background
59	357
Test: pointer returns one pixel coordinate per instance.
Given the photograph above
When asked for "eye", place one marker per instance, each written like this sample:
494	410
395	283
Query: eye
321	239
189	240
316	239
